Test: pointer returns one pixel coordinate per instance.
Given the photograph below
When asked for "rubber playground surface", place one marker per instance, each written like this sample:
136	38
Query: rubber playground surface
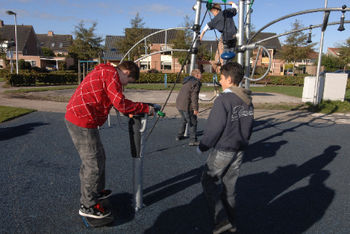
295	178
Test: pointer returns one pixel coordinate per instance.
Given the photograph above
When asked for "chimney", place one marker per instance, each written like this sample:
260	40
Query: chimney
50	33
1	23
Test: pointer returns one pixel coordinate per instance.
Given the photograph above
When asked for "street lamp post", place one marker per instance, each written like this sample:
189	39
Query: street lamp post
15	15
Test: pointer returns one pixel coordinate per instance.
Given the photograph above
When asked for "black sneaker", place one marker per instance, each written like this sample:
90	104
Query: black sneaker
104	194
179	138
193	143
96	211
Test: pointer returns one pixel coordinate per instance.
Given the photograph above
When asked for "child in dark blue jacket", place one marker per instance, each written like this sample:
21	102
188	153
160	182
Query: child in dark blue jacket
228	130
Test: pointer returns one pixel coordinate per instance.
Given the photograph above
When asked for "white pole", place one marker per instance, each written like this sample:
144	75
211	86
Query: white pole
16	43
195	35
316	98
247	53
240	32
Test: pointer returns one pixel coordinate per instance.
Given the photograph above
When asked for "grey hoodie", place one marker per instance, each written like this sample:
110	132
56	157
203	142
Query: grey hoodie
230	122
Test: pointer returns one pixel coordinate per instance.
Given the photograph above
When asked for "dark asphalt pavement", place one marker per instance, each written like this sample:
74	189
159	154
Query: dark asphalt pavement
295	179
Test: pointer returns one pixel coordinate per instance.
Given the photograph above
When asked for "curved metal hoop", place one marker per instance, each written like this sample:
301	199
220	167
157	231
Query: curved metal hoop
152	34
256	62
295	14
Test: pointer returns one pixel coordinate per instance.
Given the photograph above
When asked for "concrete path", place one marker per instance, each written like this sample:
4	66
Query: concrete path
32	101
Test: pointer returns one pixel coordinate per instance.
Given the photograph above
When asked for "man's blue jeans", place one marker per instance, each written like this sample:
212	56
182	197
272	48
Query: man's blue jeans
191	119
218	180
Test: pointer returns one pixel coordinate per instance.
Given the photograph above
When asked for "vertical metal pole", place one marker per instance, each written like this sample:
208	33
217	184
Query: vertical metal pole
186	130
79	72
138	183
195	36
83	71
16	43
248	52
316	98
146	51
240	32
138	169
166	39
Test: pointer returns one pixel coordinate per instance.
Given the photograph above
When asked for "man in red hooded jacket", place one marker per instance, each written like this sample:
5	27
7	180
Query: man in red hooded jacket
88	109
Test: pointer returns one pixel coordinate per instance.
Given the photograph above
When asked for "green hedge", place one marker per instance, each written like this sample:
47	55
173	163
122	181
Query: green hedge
58	78
32	78
171	77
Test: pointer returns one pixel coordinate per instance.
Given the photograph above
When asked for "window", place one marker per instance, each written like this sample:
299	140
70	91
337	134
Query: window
167	47
145	65
53	44
166	65
61	45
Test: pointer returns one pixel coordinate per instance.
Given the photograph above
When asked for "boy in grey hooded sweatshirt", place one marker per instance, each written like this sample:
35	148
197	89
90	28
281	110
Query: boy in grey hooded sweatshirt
228	129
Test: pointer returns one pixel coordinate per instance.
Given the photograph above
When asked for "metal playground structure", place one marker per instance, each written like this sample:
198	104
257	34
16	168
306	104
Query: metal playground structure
245	44
243	49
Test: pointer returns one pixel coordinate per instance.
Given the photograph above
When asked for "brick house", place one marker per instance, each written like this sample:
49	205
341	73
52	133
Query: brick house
28	48
59	44
273	46
30	43
164	62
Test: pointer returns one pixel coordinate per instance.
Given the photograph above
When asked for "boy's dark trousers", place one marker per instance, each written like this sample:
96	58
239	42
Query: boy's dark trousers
218	180
191	119
92	170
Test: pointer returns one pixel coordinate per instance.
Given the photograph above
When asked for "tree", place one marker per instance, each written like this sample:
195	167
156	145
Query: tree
133	35
47	52
296	46
344	53
331	63
183	40
86	45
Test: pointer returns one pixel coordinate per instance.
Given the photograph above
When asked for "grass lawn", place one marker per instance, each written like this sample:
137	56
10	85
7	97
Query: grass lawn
8	113
294	91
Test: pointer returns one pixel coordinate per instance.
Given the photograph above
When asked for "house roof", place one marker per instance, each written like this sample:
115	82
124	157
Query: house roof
158	38
56	42
333	51
111	52
210	45
7	32
270	44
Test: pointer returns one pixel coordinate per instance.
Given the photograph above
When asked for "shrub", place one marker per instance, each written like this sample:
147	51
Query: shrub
31	78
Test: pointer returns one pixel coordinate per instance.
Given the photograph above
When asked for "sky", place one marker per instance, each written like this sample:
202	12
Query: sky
113	16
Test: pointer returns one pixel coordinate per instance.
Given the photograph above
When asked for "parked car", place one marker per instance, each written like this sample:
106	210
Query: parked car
289	72
51	68
342	71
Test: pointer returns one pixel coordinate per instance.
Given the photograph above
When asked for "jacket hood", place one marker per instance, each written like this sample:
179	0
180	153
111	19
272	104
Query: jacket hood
243	94
189	78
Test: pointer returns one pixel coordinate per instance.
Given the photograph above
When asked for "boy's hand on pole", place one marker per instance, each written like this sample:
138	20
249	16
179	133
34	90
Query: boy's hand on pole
154	108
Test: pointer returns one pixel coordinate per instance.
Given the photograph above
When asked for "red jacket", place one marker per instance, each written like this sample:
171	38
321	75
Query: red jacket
99	91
